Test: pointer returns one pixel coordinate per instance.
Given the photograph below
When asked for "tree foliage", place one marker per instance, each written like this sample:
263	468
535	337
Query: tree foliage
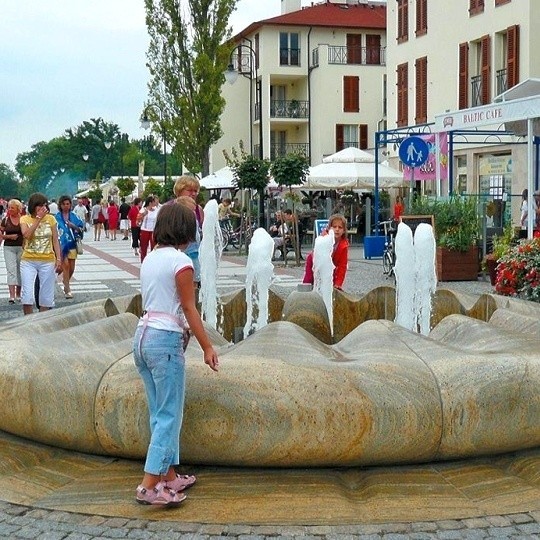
125	186
9	187
187	56
290	170
152	187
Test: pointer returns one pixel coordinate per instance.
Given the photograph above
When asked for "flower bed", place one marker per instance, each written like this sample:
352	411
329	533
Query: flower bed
518	272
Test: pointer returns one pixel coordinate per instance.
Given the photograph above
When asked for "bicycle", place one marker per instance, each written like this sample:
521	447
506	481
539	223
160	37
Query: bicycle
389	253
236	237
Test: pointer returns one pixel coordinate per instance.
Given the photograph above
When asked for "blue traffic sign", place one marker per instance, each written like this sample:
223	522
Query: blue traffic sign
413	151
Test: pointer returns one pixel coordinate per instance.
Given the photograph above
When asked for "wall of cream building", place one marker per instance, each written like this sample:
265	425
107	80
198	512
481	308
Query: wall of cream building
325	89
449	25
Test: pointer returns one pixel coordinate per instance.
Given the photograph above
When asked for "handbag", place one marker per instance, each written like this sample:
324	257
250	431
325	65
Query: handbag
79	246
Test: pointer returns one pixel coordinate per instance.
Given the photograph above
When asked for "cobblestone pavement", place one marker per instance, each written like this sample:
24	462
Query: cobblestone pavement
33	523
23	522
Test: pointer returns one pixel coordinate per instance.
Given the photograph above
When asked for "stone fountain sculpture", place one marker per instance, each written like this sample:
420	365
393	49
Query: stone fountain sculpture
375	393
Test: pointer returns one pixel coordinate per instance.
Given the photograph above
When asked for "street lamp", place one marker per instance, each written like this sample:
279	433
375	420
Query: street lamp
231	76
145	124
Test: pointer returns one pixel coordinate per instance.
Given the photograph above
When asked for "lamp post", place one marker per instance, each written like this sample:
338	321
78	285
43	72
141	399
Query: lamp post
145	124
231	75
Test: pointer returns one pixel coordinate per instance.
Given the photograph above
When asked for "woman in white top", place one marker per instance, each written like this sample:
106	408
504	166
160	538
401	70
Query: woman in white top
147	218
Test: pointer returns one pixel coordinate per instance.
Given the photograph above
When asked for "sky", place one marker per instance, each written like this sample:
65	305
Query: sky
66	61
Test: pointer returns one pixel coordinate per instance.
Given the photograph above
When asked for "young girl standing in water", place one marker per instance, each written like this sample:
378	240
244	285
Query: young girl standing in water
169	315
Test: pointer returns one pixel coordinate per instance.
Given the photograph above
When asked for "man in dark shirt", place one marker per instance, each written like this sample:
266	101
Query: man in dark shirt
124	221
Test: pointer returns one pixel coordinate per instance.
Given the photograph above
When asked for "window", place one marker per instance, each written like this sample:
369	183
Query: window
463	92
289	49
421	90
373	49
354	48
421	17
512	60
403	20
351	94
351	135
402	95
476	7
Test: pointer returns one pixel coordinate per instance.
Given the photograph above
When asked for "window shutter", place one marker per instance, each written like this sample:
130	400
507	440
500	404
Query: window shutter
476	6
486	69
339	137
463	91
403	20
402	95
421	17
421	90
351	98
512	61
363	136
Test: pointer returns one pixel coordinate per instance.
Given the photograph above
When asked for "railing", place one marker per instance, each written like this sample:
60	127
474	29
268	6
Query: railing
476	90
501	80
357	55
282	149
289	57
289	108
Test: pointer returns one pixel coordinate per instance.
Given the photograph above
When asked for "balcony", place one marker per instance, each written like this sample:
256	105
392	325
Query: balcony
282	149
476	90
289	57
362	56
501	80
289	108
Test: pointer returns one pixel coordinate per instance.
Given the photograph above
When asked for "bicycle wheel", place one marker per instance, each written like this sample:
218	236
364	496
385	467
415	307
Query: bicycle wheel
387	262
226	238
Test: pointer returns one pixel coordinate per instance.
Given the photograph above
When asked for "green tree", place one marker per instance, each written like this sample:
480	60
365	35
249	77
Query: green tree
249	172
125	186
9	187
290	170
187	56
152	187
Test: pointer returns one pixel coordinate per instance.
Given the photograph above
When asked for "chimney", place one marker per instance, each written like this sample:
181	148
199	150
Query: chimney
288	6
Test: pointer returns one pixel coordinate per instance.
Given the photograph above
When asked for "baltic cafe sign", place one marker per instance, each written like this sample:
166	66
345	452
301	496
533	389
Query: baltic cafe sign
495	113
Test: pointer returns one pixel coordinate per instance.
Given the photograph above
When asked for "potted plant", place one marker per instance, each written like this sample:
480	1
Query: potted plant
501	244
518	272
456	233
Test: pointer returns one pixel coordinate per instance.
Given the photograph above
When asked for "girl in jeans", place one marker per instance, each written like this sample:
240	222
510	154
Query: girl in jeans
170	313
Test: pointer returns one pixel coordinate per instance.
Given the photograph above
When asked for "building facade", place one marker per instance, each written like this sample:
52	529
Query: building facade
311	81
447	56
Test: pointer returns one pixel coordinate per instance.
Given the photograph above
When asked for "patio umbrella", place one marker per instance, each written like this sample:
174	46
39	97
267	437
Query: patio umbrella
222	179
351	169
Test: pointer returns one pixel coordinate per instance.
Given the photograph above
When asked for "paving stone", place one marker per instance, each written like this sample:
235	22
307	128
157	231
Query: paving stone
51	535
28	532
424	526
520	518
529	528
476	523
450	524
499	521
236	530
474	534
449	535
212	530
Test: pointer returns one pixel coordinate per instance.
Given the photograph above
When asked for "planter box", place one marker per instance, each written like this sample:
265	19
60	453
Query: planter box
457	265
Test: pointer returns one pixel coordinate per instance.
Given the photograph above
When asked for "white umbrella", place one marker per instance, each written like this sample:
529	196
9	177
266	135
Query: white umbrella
222	179
350	155
351	175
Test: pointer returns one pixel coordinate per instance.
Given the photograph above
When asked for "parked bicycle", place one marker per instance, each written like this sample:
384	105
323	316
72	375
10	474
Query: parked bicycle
236	237
389	253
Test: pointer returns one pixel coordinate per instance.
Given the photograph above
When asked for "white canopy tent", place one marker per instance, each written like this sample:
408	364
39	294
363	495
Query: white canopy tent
224	179
351	168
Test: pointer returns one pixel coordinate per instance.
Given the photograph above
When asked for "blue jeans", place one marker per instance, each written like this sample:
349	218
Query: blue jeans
159	358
